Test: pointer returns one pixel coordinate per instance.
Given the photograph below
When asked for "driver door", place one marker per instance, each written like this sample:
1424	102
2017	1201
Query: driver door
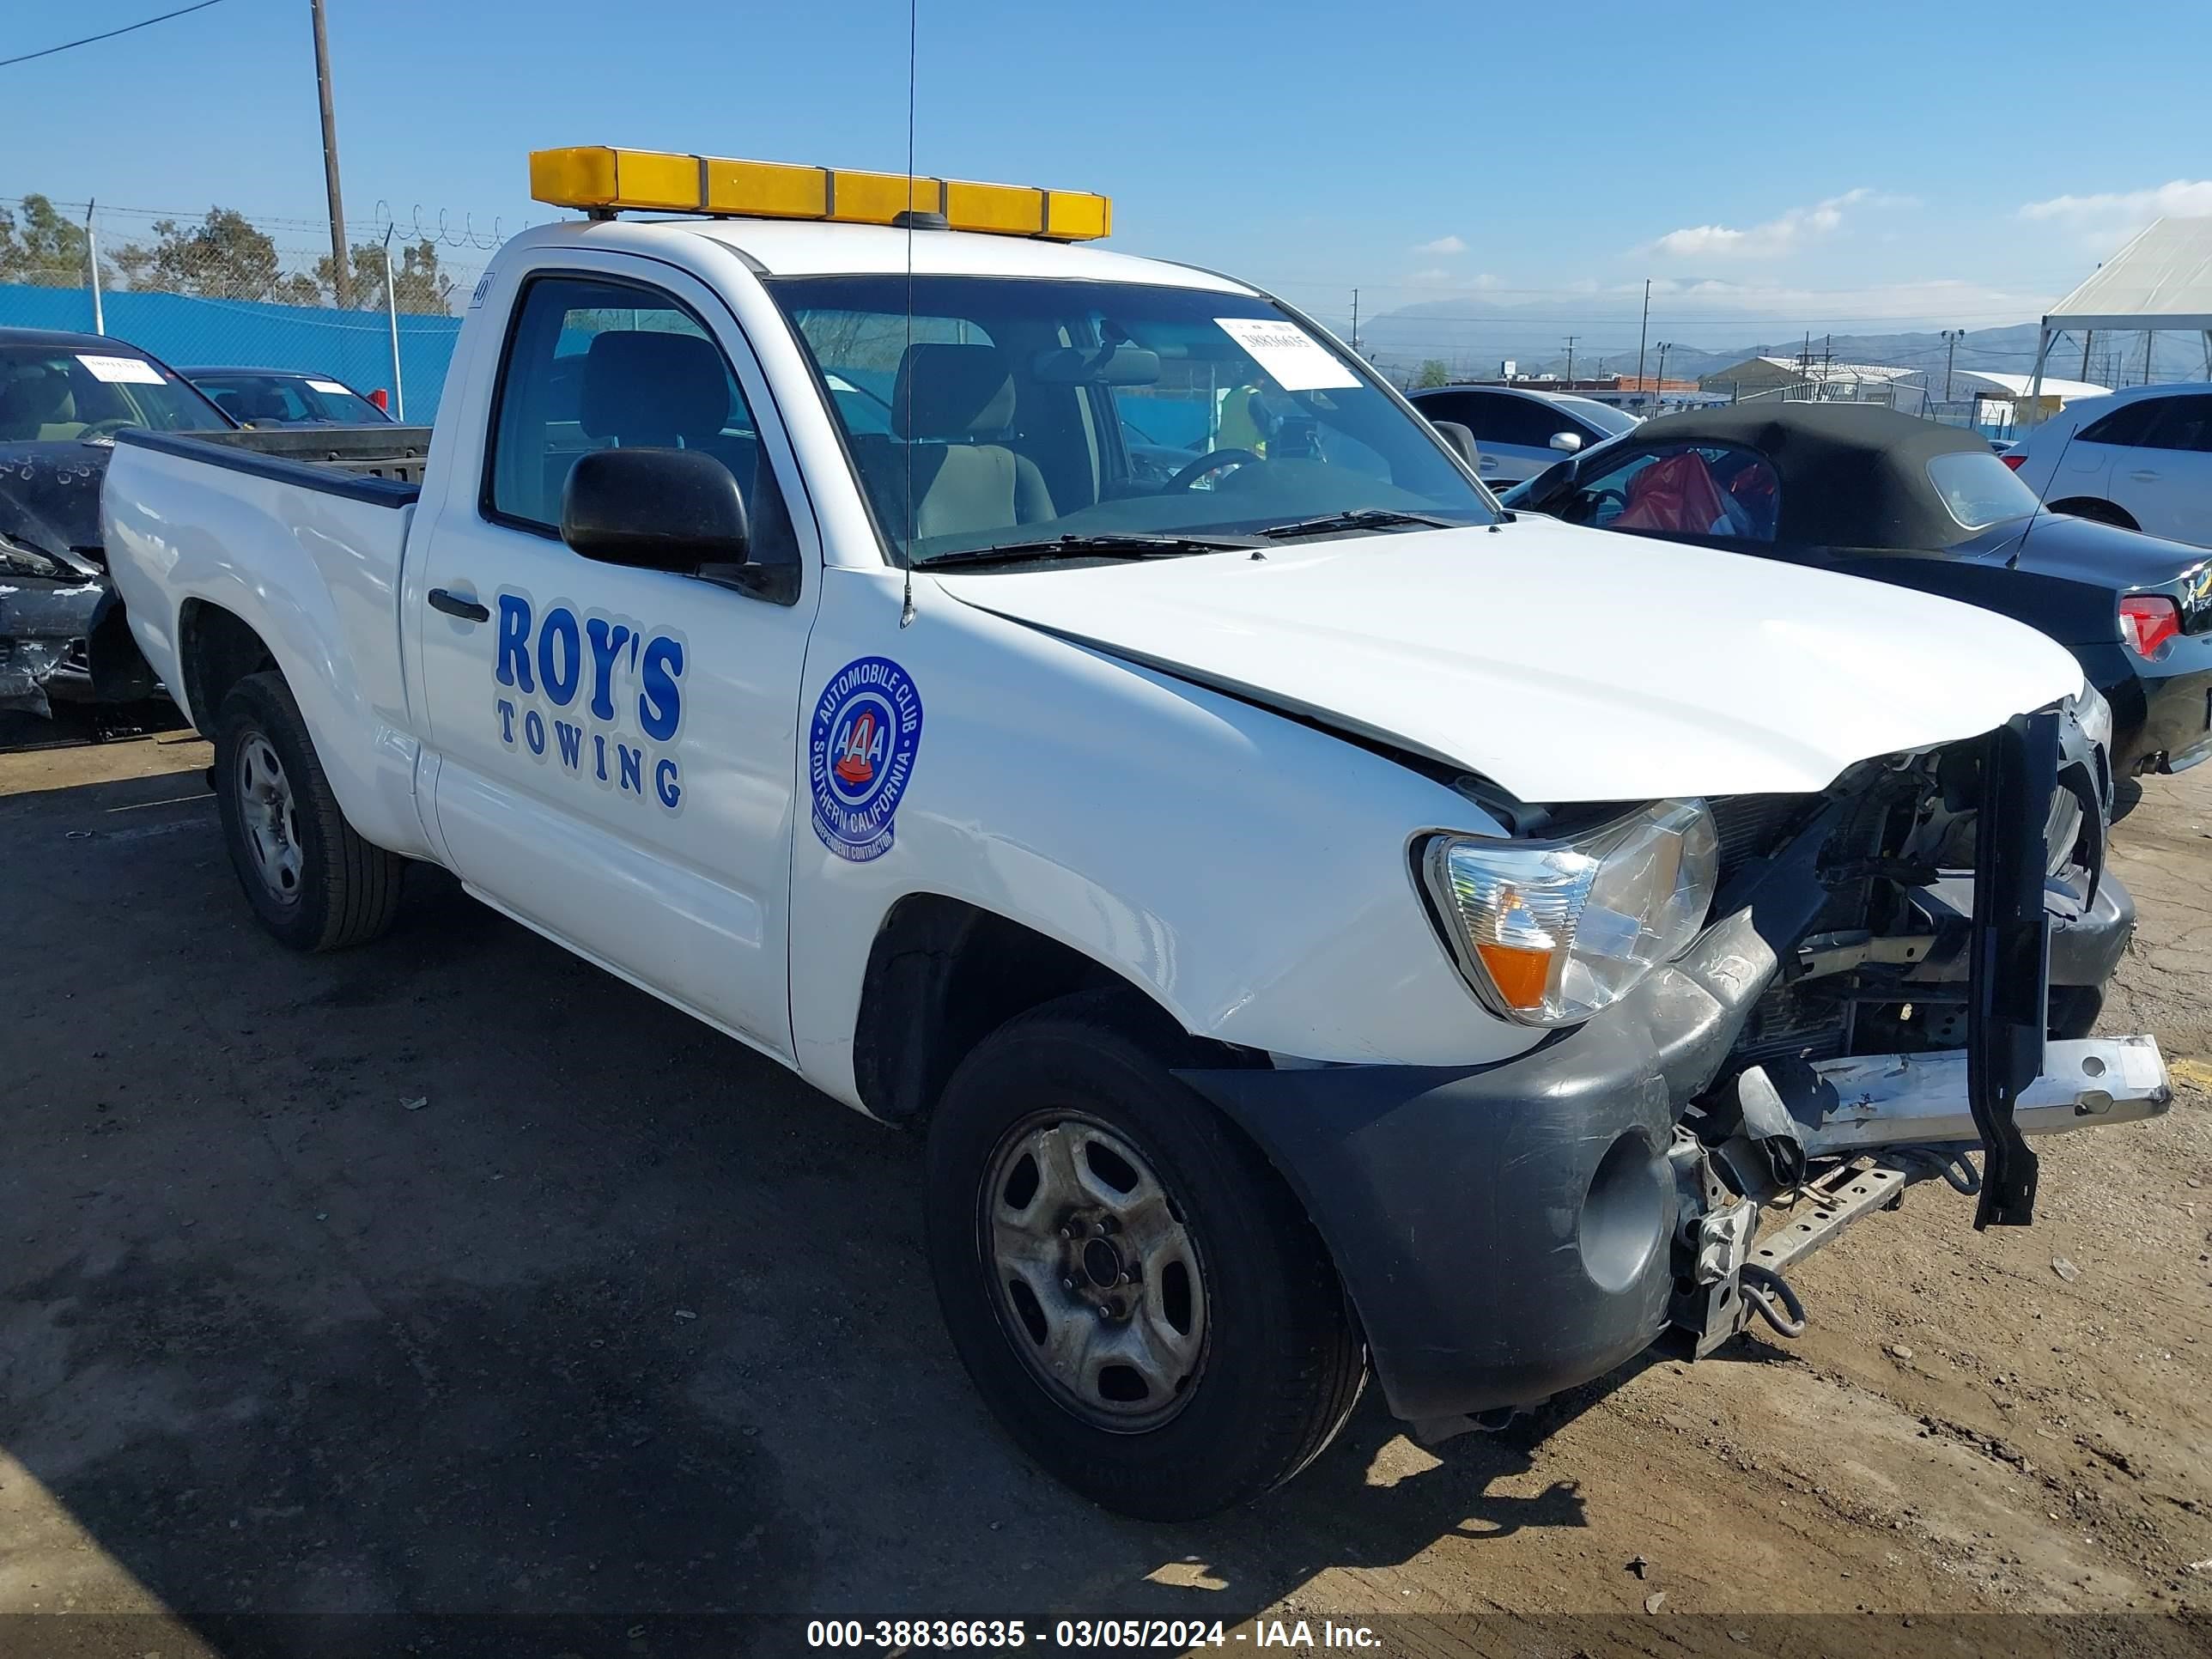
616	746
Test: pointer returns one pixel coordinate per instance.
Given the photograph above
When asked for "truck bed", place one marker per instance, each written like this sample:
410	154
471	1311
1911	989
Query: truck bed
382	465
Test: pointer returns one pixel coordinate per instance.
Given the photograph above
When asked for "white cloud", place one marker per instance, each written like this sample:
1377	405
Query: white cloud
1458	281
2100	220
1783	233
1441	247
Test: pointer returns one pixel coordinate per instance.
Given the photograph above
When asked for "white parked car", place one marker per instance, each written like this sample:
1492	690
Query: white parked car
1518	431
2139	459
1325	927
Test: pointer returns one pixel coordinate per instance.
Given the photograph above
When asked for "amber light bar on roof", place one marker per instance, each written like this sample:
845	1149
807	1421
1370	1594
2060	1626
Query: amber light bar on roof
600	179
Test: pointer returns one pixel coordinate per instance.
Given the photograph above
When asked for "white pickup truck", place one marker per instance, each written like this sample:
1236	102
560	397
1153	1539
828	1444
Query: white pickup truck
1068	701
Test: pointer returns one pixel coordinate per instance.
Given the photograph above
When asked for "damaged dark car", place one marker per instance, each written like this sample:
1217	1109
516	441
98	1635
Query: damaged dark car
62	398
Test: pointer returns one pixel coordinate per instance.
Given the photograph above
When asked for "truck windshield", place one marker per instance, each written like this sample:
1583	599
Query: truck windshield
1076	416
50	393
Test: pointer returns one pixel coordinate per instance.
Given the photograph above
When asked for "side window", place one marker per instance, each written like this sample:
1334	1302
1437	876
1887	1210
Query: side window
1702	489
2126	425
1457	406
2182	423
593	364
1530	422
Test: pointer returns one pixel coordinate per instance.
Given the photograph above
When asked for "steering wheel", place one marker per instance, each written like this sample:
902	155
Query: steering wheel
1187	477
1596	498
104	428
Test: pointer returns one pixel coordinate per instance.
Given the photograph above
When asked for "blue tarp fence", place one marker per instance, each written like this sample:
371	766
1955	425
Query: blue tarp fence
352	346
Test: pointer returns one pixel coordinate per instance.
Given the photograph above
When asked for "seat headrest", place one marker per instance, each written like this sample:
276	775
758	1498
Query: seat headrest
42	396
647	386
946	392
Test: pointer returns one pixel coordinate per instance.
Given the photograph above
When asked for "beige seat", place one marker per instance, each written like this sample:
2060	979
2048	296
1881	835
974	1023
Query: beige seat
951	405
39	405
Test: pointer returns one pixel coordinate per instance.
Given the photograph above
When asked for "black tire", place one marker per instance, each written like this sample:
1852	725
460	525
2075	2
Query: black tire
1280	1364
2098	509
343	892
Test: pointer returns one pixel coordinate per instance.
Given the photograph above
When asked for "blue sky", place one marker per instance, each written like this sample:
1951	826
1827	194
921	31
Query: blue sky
1915	162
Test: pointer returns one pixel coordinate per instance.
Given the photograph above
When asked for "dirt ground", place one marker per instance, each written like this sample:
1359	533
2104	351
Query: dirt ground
453	1275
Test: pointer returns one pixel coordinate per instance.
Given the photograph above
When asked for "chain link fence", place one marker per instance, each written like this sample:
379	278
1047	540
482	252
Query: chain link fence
222	289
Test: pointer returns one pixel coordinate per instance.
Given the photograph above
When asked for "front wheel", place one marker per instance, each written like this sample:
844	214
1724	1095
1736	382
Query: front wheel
1135	1292
315	885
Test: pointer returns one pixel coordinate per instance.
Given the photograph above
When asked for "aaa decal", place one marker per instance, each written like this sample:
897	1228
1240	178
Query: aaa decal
862	746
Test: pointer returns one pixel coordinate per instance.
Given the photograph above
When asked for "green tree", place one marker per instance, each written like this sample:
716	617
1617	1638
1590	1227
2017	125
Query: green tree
422	287
224	257
1431	373
42	248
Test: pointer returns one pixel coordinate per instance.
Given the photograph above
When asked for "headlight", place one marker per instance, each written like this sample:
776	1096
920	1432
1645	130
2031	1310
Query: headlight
2094	714
1548	933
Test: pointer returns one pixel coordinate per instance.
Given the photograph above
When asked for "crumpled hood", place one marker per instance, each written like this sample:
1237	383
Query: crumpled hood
1563	664
50	495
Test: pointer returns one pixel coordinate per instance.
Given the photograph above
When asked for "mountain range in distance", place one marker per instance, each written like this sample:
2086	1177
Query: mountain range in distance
1471	346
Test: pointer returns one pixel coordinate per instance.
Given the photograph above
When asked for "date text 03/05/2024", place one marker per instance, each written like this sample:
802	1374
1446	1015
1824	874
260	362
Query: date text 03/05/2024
1172	1635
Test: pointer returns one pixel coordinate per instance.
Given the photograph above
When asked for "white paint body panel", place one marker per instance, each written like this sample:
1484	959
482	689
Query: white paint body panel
1249	871
317	577
1566	664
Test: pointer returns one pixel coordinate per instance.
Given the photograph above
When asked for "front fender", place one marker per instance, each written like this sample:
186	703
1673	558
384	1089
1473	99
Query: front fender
1247	871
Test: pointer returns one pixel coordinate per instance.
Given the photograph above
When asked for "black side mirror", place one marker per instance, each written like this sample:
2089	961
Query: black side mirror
1462	440
654	509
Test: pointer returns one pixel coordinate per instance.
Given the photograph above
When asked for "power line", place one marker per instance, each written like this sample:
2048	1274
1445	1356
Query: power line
69	45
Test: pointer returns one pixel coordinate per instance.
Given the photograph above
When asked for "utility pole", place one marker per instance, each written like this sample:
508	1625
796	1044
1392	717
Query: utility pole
1951	338
1571	338
2147	340
2088	335
341	274
1665	346
92	259
1642	333
391	316
1355	322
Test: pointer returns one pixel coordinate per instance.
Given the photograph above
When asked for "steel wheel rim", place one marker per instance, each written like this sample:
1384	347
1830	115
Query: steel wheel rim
1094	1274
266	813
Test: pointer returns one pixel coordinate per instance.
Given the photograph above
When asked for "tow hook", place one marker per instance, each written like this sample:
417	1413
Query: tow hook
1761	1288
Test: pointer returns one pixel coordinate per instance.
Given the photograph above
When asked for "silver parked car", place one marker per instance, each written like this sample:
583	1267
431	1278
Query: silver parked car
1519	431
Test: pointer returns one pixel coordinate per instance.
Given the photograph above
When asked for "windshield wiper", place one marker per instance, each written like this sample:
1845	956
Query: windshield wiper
1104	544
1364	517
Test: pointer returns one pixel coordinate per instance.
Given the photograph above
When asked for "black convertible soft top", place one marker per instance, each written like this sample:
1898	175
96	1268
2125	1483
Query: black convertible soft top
1851	475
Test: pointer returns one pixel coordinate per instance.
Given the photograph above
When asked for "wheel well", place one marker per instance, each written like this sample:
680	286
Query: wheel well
216	650
2094	507
943	975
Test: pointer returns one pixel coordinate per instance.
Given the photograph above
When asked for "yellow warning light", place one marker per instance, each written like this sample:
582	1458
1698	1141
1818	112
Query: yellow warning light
600	179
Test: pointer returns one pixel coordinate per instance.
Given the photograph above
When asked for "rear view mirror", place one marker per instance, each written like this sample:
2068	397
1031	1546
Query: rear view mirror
1115	365
1462	440
1566	442
654	509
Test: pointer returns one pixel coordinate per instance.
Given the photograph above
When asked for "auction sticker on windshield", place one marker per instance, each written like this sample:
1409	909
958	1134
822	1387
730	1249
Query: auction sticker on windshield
1292	357
330	387
121	371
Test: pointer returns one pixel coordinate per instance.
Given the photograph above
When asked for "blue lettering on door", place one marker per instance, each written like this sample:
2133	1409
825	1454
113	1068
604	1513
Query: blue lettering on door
603	683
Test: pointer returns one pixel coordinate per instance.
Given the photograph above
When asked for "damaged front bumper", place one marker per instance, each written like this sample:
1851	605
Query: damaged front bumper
1507	1232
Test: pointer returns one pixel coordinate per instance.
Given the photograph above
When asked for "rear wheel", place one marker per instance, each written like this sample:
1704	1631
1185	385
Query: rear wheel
315	885
1135	1292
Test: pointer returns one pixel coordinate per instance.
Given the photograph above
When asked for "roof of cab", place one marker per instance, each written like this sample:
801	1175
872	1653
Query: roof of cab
803	247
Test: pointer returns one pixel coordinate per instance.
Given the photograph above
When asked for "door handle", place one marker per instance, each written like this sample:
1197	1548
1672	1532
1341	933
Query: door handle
458	604
2144	478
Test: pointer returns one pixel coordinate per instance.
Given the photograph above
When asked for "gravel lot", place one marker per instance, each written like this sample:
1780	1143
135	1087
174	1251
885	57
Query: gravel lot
451	1274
